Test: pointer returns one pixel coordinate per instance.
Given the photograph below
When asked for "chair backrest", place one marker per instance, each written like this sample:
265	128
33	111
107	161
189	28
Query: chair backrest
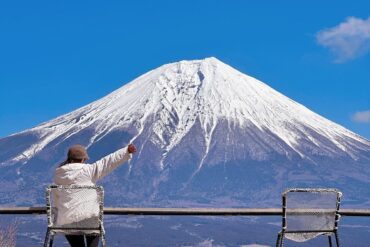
311	210
74	207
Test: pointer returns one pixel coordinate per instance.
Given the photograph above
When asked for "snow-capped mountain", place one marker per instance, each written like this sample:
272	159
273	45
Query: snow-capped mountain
206	133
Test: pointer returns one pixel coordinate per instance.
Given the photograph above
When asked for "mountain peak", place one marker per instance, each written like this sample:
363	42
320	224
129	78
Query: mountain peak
212	63
209	60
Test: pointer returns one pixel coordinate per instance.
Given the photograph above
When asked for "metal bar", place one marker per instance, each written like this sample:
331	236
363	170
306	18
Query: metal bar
184	211
75	229
354	212
23	210
194	211
310	231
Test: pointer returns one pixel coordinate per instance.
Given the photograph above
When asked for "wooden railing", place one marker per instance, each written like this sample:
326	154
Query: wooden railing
183	211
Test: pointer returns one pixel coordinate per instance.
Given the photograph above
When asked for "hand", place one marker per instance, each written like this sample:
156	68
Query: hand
131	149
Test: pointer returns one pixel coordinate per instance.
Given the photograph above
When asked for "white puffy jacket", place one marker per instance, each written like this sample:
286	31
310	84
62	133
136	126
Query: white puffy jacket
70	208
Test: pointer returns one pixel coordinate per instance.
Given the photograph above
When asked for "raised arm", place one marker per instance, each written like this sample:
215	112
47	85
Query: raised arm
107	164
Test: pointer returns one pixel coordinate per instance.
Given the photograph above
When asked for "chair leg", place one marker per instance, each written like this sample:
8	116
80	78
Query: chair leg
282	240
47	238
51	240
278	240
337	238
103	243
102	234
330	244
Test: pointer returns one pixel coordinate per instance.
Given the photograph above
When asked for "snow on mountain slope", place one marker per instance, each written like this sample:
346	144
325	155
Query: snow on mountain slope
179	93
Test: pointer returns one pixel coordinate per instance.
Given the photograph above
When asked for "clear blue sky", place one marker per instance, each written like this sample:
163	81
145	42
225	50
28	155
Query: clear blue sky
56	56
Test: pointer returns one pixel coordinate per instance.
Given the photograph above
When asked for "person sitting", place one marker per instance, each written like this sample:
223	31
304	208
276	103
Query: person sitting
75	171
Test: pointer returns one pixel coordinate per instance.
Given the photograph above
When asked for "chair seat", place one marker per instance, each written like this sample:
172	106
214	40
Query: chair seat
81	212
303	237
76	232
309	213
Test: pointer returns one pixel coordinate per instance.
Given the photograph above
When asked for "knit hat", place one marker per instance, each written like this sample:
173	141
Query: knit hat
77	152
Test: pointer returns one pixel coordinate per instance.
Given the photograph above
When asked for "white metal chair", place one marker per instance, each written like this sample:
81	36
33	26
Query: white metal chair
77	199
308	213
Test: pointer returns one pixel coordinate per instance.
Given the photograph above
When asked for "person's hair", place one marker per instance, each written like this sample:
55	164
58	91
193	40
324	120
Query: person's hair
75	160
69	161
